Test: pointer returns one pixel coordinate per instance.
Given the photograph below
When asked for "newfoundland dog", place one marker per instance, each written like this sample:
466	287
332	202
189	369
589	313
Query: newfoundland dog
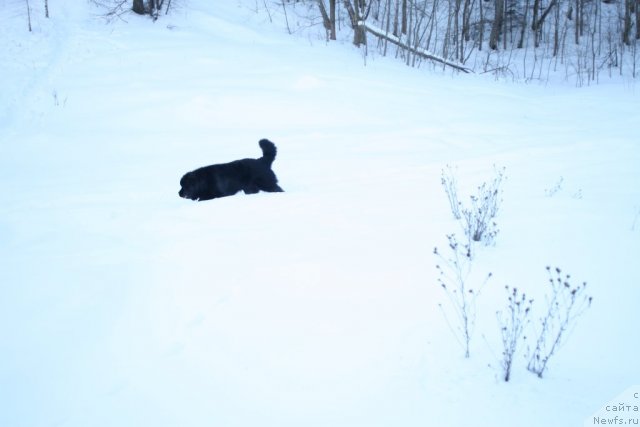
226	179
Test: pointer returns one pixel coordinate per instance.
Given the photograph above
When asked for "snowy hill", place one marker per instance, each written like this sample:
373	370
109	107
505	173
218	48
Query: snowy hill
122	304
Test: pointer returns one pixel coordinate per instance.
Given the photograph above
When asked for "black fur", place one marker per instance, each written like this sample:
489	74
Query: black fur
226	179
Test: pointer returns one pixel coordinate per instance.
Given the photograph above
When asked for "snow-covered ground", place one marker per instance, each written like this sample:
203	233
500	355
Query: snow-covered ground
123	305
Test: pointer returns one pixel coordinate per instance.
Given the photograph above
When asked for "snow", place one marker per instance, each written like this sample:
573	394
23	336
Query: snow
122	304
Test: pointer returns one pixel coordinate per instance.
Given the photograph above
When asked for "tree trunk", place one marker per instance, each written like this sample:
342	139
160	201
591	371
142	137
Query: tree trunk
637	19
154	8
466	20
404	16
332	18
416	51
432	23
326	21
388	9
497	25
359	32
29	16
556	33
523	28
457	36
626	31
410	37
538	24
536	10
481	37
396	31
578	21
138	7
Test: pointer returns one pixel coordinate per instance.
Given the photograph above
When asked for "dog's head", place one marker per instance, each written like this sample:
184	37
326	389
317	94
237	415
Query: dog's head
191	186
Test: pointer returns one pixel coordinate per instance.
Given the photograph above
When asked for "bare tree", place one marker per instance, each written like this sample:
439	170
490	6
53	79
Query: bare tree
481	17
578	21
496	28
29	16
356	18
637	19
328	19
414	30
626	31
523	27
404	16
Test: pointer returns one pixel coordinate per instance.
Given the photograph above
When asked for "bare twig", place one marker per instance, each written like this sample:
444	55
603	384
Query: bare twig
454	274
565	304
512	325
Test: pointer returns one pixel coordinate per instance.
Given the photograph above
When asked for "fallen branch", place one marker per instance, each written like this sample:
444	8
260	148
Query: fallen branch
415	50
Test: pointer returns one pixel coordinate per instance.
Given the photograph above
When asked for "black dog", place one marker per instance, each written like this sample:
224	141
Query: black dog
226	179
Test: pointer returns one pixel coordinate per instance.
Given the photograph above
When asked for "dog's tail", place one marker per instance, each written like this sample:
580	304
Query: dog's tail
268	150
